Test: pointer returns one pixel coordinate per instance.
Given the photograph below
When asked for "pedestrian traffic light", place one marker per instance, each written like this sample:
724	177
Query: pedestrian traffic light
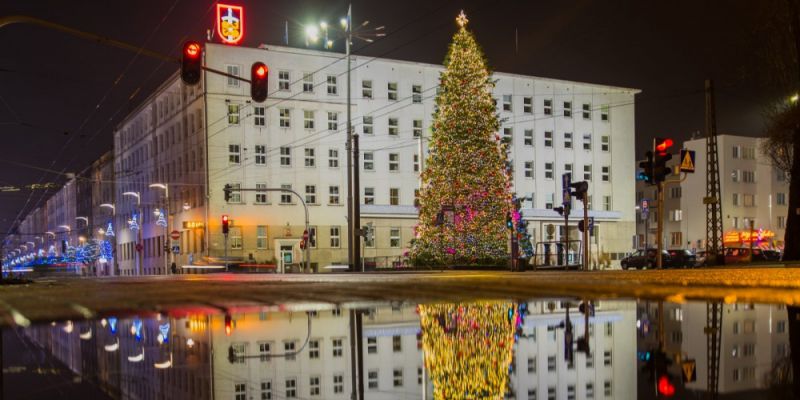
509	221
661	156
647	168
259	78
225	226
227	191
665	386
191	63
580	189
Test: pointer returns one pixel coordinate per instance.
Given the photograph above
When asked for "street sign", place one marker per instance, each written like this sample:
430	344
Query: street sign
176	249
687	160
566	180
689	371
175	235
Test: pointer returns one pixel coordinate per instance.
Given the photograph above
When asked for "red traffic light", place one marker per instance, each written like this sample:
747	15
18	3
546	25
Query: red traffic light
228	325
259	82
225	224
192	49
225	219
665	387
191	63
261	71
663	144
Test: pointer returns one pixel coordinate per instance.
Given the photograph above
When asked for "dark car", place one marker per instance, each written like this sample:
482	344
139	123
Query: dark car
736	255
682	258
645	259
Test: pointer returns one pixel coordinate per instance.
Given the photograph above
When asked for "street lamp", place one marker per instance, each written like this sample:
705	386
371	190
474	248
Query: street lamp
138	231
166	227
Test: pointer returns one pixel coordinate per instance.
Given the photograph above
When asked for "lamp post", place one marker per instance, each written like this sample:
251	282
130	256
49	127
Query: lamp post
138	230
167	226
113	235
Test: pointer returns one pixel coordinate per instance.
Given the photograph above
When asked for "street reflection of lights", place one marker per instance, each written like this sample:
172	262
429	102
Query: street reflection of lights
112	347
638	323
138	357
165	364
103	322
160	339
189	343
68	327
86	335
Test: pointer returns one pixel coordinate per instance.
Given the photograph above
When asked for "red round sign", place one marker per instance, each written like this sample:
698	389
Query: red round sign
139	247
175	235
305	235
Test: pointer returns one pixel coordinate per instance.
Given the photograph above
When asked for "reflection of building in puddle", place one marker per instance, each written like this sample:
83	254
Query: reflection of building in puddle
754	342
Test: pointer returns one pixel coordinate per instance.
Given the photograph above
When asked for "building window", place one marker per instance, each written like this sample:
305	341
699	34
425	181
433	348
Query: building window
233	114
532	365
529	169
548	170
235	238
397	375
675	192
607	358
312	237
333	121
735	152
232	70
313	349
394	242
259	116
570	392
551	393
528	137
548	106
780	175
567	140
286	197
587	111
369	161
333	195
780	327
417	127
335	237
416	94
782	222
607	388
332	90
284	115
551	363
749	200
606	173
587	141
607	203
240	389
266	390
310	158
261	193
780	199
372	345
311	194
369	240
527	105
366	89
372	379
508	135
308	82
568	169
548	139
394	196
236	194
604	110
605	143
261	237
394	162
338	383
392	89
369	195
568	109
286	156
367	125
313	386
735	199
587	172
234	154
507	102
283	80
397	341
337	343
308	119
261	154
291	388
333	158
393	127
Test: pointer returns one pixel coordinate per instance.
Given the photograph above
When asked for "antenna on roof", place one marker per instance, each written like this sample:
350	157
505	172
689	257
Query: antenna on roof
286	33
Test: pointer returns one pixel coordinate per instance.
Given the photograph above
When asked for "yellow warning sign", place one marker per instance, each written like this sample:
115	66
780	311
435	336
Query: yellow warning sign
689	371
687	160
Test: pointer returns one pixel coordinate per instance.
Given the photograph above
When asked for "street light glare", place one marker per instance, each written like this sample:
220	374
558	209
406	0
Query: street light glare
323	25
794	98
343	21
312	33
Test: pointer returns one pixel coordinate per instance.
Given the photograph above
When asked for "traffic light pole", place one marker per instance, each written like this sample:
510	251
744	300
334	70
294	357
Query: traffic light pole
585	231
660	229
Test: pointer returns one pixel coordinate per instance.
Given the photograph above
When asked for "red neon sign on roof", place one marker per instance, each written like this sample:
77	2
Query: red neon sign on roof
230	23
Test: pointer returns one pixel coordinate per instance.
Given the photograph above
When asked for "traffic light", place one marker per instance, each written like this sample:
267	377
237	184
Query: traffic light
227	190
509	221
559	210
580	189
259	78
191	62
225	226
647	169
661	156
665	386
228	325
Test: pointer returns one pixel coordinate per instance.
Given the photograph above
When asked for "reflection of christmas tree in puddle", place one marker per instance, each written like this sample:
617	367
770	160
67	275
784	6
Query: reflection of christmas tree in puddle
468	348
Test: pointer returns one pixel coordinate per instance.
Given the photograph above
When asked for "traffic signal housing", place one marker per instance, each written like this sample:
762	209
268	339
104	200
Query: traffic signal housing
227	191
660	158
647	168
559	210
579	189
509	221
225	226
259	80
191	62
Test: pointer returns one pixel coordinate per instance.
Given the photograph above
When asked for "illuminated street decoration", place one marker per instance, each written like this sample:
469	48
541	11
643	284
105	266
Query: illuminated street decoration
112	324
230	23
164	329
161	220
133	223
110	229
136	329
468	348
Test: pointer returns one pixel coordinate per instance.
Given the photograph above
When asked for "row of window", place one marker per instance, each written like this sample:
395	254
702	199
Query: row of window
290	389
334	198
738	175
552	392
549	172
586	110
236	239
528	139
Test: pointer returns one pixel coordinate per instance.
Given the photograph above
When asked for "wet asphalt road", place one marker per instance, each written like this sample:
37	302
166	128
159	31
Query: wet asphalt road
77	298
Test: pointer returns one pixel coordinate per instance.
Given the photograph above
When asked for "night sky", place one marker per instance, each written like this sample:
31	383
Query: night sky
61	96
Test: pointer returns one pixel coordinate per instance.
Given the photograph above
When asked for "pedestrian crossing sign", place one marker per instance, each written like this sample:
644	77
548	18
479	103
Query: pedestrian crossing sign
687	160
689	371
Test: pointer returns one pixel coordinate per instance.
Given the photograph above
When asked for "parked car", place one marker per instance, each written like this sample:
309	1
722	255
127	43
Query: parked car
682	258
645	259
700	258
735	255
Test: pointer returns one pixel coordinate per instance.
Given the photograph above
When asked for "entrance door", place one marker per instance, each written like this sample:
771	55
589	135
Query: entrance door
286	257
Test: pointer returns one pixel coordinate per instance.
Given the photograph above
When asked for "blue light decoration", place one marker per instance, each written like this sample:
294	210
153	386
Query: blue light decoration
161	220
164	329
106	251
51	252
133	223
137	329
110	229
112	325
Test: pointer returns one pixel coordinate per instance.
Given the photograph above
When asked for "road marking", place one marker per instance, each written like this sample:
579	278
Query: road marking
19	319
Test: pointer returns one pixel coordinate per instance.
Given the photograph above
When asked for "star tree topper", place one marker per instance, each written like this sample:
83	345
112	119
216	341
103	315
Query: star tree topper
462	19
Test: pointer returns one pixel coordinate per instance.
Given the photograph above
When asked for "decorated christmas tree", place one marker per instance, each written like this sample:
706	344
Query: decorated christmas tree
468	348
465	195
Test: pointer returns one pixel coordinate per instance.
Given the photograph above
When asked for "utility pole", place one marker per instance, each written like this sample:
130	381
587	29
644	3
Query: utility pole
714	244
358	265
349	148
585	231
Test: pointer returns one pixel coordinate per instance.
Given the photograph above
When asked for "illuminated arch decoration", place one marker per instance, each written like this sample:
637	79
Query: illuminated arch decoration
230	23
468	348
